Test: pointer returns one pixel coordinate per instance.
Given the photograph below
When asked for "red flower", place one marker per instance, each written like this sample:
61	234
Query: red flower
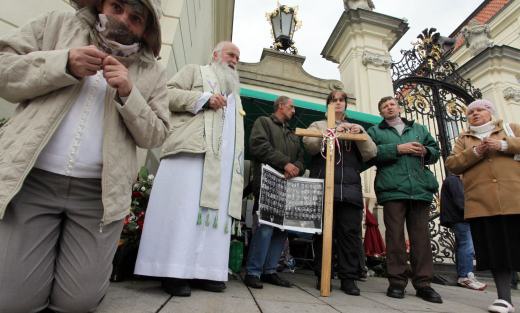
140	222
134	221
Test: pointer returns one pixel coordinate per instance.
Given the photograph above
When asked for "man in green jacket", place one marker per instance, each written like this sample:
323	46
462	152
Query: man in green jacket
272	143
405	188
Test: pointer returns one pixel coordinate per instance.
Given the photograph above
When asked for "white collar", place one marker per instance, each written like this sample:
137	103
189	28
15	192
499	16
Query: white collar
484	128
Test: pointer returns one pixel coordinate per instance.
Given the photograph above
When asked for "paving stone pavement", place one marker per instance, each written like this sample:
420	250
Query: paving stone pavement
142	296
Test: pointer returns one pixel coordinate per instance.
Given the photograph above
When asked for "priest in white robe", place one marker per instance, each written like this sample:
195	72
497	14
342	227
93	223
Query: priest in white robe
198	188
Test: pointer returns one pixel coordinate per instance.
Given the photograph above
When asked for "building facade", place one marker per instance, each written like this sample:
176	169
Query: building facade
488	50
190	29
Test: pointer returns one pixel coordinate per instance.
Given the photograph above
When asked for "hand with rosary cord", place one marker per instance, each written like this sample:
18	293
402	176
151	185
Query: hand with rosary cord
217	101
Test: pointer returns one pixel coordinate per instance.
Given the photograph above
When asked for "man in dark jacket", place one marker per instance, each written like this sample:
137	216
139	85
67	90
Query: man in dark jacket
272	143
452	216
405	188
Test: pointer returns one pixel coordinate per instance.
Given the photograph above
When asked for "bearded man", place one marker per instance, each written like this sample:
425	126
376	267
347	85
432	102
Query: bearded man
89	90
198	188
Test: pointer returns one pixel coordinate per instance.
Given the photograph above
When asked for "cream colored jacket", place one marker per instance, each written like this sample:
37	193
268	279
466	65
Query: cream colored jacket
367	149
196	133
33	73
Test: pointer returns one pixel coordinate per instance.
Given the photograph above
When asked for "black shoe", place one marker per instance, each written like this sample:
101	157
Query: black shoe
253	282
274	279
428	294
318	283
176	287
395	292
209	285
349	287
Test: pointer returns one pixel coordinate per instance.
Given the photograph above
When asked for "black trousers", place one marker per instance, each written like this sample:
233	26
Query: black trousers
346	241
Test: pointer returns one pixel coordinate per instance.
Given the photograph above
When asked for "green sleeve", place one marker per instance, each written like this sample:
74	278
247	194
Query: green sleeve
432	147
261	148
386	152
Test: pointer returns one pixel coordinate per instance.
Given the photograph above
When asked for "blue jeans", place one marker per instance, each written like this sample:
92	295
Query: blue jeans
464	248
265	250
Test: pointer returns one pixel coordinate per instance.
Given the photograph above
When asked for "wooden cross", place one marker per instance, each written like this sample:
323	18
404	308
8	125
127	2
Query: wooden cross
329	193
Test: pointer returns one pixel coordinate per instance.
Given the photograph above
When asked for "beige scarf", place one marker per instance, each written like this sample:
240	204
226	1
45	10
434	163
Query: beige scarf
109	46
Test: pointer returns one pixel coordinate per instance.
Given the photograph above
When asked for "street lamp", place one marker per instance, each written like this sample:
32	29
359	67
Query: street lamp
284	21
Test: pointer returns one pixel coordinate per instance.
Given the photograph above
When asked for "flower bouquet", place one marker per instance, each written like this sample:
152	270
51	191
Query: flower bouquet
126	254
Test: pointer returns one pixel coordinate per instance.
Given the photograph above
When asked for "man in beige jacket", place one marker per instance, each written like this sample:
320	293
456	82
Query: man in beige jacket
89	90
198	188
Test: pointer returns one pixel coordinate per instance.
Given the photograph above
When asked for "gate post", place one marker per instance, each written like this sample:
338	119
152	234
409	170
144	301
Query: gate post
360	44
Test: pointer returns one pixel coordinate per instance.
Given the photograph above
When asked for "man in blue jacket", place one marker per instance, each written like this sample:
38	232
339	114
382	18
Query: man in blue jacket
452	216
405	188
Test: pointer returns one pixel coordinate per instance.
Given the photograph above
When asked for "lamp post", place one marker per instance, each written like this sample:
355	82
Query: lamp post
284	22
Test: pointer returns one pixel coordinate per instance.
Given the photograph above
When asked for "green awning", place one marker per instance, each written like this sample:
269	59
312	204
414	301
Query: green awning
257	103
361	117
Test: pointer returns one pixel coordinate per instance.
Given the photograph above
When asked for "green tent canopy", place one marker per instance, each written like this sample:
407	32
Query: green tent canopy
257	103
354	116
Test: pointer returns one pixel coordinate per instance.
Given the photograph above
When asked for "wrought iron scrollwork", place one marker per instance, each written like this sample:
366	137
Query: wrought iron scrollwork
431	91
442	238
428	60
416	98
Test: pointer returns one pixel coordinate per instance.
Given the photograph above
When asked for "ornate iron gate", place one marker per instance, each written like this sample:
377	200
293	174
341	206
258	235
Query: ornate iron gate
432	93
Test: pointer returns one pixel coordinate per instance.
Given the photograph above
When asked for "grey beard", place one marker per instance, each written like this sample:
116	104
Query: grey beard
228	79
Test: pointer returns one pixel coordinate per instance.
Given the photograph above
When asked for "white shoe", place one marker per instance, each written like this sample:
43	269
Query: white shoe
471	282
501	306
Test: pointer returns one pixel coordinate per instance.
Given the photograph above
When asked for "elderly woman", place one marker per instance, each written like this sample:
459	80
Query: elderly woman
484	155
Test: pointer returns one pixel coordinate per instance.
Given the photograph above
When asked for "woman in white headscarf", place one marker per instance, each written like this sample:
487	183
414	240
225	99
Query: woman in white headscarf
485	156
